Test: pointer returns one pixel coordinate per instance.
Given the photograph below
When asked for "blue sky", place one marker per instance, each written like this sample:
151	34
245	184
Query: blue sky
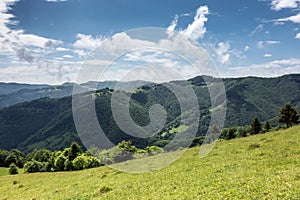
48	41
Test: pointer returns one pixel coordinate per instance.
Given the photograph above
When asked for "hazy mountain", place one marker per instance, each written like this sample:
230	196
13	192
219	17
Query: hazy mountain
13	93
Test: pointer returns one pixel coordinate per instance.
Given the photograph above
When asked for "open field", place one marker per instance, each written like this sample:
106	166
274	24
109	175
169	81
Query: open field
264	166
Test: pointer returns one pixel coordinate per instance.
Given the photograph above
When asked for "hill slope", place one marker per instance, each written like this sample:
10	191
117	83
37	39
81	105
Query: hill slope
233	170
48	123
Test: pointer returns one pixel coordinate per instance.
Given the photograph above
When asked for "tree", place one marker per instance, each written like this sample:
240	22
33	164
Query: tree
255	126
60	163
288	115
13	169
75	150
15	156
267	126
3	156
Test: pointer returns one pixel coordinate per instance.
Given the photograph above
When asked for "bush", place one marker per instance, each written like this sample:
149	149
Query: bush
13	169
60	162
41	155
104	157
35	166
93	162
15	156
3	156
80	162
68	165
153	150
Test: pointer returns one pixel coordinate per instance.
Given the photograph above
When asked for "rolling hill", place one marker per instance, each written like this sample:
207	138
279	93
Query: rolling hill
48	122
264	166
13	93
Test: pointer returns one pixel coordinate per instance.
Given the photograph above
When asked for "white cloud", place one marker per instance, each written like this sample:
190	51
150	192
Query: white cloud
56	0
80	53
263	44
294	18
86	42
68	56
297	36
269	69
223	52
62	49
267	55
246	48
197	29
14	41
281	4
171	28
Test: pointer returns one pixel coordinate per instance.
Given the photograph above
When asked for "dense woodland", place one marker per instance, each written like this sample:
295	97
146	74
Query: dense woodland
75	158
48	122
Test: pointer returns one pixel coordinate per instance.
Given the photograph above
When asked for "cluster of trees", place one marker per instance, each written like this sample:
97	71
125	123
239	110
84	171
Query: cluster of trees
288	116
74	158
43	160
71	158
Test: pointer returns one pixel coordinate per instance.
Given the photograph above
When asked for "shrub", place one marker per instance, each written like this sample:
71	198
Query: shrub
35	166
68	166
93	162
74	151
13	169
15	156
104	157
153	150
80	162
60	162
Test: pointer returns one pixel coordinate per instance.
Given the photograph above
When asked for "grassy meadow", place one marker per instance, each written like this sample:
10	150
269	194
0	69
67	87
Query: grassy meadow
264	166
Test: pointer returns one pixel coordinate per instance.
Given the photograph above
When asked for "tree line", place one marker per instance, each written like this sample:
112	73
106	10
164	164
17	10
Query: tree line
288	116
75	158
71	158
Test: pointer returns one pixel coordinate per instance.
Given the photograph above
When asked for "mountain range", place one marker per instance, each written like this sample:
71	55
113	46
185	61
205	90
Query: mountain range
47	122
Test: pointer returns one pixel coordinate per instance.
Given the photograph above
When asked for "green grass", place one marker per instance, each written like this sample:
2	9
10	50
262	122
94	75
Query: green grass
3	171
265	166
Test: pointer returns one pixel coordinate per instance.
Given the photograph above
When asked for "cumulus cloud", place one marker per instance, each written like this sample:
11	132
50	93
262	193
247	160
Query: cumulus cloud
223	52
197	29
80	53
297	36
23	54
281	4
171	28
14	41
86	42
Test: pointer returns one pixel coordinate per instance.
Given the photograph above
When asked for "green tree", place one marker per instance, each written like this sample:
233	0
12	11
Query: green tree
80	162
75	150
13	169
60	163
267	126
288	115
3	156
255	126
15	156
230	134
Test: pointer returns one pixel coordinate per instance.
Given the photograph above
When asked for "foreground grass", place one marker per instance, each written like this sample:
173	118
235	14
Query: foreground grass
265	166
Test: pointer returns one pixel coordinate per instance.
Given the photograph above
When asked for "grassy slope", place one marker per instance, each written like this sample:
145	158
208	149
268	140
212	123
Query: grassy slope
230	171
